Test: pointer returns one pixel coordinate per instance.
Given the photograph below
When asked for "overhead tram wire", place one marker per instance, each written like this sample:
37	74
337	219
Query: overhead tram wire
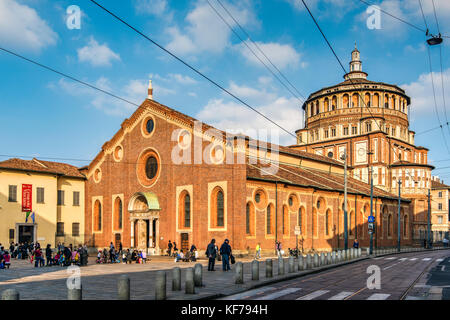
399	19
259	49
351	81
192	68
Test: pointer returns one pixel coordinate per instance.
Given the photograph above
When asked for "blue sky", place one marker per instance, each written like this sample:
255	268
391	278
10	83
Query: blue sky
45	115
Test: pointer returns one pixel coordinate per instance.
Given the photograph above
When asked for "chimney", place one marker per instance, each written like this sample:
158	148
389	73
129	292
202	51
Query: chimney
150	90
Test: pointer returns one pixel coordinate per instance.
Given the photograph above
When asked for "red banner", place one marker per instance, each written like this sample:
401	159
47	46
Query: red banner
27	197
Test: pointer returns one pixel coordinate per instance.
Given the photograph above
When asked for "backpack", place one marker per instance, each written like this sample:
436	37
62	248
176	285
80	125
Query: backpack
232	259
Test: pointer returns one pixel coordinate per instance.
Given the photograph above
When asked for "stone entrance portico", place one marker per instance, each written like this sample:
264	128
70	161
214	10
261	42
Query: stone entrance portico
144	217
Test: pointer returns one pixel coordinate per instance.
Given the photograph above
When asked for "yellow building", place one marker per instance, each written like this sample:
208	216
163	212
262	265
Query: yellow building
440	214
53	195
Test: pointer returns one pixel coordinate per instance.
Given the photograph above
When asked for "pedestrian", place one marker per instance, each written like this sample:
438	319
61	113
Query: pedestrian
225	252
169	248
278	248
356	244
48	255
258	251
425	243
175	246
445	242
6	259
211	254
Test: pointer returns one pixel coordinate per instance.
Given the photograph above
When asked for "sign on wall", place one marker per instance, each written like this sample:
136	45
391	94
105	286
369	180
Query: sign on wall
27	197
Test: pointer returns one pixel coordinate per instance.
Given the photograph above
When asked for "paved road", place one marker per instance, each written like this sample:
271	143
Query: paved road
415	275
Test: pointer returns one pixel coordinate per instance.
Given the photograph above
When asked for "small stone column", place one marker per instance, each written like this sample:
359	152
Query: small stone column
255	270
123	288
239	276
269	268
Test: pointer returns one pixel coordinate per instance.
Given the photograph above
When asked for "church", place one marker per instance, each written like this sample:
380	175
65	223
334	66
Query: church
166	176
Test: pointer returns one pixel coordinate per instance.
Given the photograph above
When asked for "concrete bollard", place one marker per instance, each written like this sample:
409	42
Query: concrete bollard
339	256
123	288
300	262
198	274
239	276
160	286
74	293
291	264
333	257
176	279
269	268
328	258
255	270
280	266
308	261
316	260
352	253
10	294
322	259
190	285
359	253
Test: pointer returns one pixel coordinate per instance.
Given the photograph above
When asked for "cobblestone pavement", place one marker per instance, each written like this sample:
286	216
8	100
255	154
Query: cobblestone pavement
399	273
99	281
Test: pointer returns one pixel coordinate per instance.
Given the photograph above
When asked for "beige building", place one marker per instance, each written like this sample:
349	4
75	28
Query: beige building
52	193
440	215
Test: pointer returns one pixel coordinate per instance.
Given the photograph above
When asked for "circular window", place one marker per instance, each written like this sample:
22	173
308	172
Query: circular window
184	139
291	201
151	167
258	197
318	204
97	175
148	126
118	153
148	167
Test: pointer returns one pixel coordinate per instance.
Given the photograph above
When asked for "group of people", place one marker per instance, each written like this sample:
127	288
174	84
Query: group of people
5	258
224	253
119	255
61	256
190	255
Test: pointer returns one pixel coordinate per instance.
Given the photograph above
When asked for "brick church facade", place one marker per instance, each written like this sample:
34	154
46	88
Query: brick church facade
165	176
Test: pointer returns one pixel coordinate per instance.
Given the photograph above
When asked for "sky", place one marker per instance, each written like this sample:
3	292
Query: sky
48	116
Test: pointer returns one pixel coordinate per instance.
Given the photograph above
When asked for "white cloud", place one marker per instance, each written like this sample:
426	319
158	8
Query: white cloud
21	27
281	55
234	117
205	31
171	77
155	7
134	91
421	93
96	54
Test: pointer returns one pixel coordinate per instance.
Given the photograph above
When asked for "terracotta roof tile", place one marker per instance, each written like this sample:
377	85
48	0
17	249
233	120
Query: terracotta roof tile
314	178
37	165
438	185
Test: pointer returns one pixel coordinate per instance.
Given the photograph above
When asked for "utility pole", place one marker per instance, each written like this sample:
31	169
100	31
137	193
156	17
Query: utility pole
429	222
398	214
345	201
371	204
371	209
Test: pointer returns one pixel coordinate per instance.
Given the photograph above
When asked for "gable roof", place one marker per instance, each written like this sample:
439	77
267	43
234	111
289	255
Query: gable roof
313	178
42	166
438	185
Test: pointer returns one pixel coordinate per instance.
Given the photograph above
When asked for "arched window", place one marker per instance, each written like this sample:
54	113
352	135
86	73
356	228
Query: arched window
367	100
334	103
250	219
187	211
376	100
285	220
97	216
220	209
355	102
217	214
184	210
326	105
301	216
386	101
270	220
345	101
118	213
317	107
327	222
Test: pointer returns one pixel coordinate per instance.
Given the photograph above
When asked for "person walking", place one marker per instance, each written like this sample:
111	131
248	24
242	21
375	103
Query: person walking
258	251
278	248
225	252
211	253
48	255
169	248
